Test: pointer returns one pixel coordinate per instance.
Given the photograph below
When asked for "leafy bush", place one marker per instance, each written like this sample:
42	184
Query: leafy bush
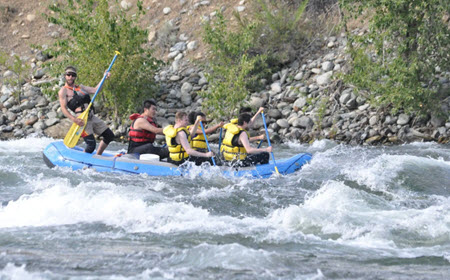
397	59
278	31
230	67
94	33
20	71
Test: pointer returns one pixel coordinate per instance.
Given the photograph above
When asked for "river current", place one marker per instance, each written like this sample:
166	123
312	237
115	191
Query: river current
351	213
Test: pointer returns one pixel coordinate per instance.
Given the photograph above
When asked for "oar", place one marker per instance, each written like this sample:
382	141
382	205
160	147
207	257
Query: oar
259	145
268	141
220	138
206	140
75	131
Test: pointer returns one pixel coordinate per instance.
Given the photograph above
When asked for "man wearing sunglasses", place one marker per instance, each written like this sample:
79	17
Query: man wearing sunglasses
77	98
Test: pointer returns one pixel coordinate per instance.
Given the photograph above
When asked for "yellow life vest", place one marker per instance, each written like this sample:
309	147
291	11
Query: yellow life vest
176	151
228	150
198	142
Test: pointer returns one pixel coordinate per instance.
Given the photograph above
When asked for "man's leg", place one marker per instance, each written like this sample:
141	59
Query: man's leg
108	136
150	149
90	143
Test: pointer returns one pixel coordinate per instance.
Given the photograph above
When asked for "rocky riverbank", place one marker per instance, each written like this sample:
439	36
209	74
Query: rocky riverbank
305	101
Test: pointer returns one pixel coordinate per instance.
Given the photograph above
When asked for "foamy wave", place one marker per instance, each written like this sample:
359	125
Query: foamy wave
354	217
89	203
378	173
18	272
25	145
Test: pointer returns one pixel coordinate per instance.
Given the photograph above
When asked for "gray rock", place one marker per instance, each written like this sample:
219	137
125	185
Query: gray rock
39	73
275	88
6	91
52	115
186	88
28	105
173	54
403	119
324	78
7	129
41	56
373	120
274	113
327	66
19	133
256	102
174	78
300	103
180	46
11	116
437	121
51	122
40	125
202	81
192	46
299	76
304	122
41	102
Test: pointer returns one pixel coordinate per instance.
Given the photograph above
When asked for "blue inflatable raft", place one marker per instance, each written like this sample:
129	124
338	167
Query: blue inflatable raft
58	154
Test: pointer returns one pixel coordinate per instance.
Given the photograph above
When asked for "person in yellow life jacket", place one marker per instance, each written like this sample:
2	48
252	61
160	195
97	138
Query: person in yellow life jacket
143	130
178	140
248	110
198	140
76	98
236	148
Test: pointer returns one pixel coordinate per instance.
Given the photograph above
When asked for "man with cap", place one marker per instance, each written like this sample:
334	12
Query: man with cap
77	98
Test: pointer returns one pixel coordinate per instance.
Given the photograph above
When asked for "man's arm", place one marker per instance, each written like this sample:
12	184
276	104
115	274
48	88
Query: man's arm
214	128
142	123
92	90
256	138
243	138
182	139
63	103
255	116
193	128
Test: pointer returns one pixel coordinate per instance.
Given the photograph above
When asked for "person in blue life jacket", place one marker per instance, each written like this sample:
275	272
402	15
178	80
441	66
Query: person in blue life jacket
236	149
178	139
198	140
77	98
143	130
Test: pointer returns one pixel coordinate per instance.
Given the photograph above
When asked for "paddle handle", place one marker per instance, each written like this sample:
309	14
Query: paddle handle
268	141
104	77
206	140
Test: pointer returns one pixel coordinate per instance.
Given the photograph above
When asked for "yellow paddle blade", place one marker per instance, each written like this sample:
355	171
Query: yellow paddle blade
75	131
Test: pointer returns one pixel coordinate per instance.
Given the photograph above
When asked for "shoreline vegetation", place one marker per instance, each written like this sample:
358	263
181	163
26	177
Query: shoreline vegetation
354	85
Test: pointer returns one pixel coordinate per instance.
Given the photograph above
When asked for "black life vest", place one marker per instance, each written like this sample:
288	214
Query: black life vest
78	99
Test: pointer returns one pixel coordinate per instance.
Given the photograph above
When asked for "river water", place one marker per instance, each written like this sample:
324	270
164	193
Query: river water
352	213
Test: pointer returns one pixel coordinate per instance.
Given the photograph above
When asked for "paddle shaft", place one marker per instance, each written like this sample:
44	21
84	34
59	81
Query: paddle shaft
206	140
220	138
259	145
104	78
268	141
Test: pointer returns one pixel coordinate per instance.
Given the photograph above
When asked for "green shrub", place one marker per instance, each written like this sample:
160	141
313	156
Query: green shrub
397	59
95	31
20	75
278	30
230	68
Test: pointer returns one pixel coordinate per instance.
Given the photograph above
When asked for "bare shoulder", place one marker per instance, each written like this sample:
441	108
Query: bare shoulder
62	92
